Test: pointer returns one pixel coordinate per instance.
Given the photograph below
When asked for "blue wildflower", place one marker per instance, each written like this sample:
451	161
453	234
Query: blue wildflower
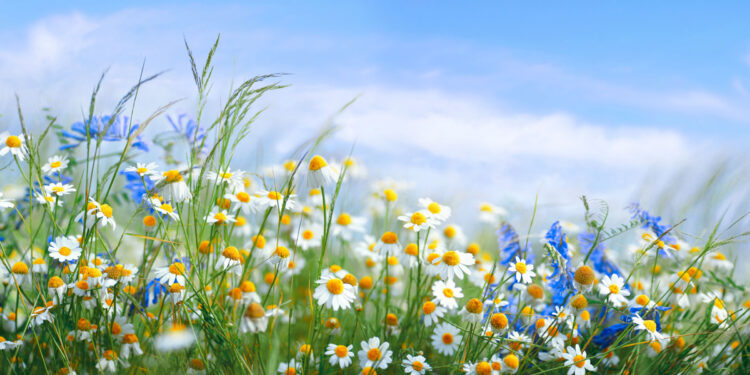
138	192
189	129
510	247
560	281
609	334
154	291
651	222
598	258
99	128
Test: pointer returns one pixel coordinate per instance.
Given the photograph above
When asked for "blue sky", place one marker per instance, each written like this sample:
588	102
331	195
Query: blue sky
511	99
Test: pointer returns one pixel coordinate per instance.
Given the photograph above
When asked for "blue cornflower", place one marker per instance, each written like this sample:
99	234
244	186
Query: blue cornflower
609	334
560	281
99	127
510	247
651	222
154	291
138	192
189	129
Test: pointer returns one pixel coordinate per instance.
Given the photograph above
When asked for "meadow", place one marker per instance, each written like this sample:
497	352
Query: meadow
138	246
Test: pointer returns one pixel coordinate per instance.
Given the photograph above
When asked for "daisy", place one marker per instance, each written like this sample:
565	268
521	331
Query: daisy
171	274
319	173
649	326
489	213
498	322
334	293
20	273
453	263
446	292
340	355
38	265
107	361
523	271
416	221
718	260
56	287
583	278
130	345
219	217
176	337
577	361
612	287
446	339
455	235
374	354
517	341
274	199
144	170
175	190
226	176
310	237
347	227
230	259
290	368
164	208
409	255
43	198
254	319
98	213
496	304
388	244
281	257
41	314
13	144
415	365
473	311
432	313
439	213
55	164
482	367
246	202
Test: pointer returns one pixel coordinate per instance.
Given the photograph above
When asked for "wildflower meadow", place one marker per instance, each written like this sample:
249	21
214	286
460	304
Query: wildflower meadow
138	245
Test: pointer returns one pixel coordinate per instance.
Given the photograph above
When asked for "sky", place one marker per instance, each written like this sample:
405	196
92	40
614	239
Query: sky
489	101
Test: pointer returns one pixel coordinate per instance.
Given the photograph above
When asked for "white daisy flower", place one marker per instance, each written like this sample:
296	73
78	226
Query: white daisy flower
64	249
523	271
233	179
577	361
419	220
13	144
334	293
612	288
453	264
432	313
446	292
446	339
649	326
374	354
319	173
164	209
347	227
415	365
219	217
437	212
274	199
171	274
55	164
144	170
340	355
176	189
59	189
388	244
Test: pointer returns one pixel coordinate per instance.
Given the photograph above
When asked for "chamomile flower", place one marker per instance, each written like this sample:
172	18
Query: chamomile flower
453	264
498	322
64	249
310	237
319	173
454	235
583	278
577	361
340	355
175	188
649	326
246	202
718	260
254	319
233	179
58	189
483	367
523	272
333	293
347	227
289	368
164	209
177	337
446	292
43	198
417	221
439	213
432	313
219	217
281	257
20	273
612	288
145	170
473	311
415	365
388	244
171	274
274	199
446	339
96	213
230	259
491	214
55	164
374	354
13	144
56	287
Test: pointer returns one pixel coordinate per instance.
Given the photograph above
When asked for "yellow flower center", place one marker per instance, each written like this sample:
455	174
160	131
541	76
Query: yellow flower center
232	253
20	268
579	302
220	217
614	289
521	267
106	210
511	361
418	218
390	195
642	300
167	207
373	354
650	325
243	197
56	164
58	189
317	162
434	208
344	219
584	275
172	176
416	365
55	282
282	252
389	238
411	249
449	232
308	235
13	141
474	306
149	221
273	195
484	368
499	321
428	307
335	286
225	175
447	338
64	251
177	269
341	351
451	258
535	291
579	360
719	256
448	292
